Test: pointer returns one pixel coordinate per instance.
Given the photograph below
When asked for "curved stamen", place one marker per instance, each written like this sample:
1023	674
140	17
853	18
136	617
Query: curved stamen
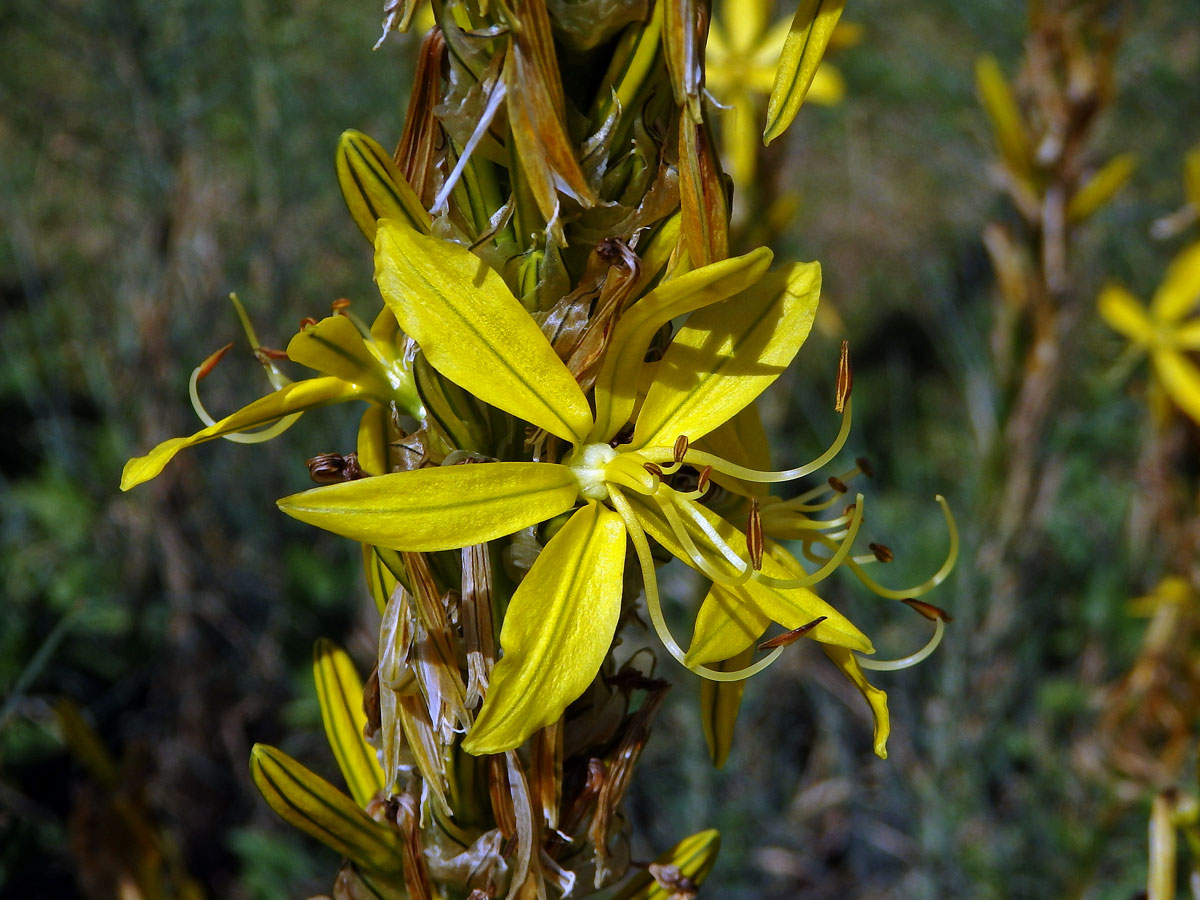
238	437
724	466
904	662
929	584
654	604
670	509
832	563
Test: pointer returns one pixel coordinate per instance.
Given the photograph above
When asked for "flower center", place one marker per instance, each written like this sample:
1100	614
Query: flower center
588	468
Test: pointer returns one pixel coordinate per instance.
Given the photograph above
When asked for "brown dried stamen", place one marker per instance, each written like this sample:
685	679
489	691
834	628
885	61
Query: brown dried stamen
334	468
845	378
754	536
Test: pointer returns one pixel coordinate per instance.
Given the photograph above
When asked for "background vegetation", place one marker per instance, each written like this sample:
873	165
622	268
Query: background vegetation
158	155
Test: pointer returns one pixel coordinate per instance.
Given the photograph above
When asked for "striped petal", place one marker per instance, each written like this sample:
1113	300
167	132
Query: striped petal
475	332
340	694
439	508
1179	293
1181	379
557	631
1124	314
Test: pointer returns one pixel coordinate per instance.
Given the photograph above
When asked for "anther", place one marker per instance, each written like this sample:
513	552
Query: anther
306	322
850	510
339	304
754	536
882	552
702	479
864	466
792	636
681	448
334	468
928	610
837	484
270	353
653	469
210	362
845	378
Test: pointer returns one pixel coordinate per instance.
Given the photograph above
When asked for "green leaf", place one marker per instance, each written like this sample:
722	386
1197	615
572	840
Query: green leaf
693	857
811	29
557	631
475	332
374	187
441	508
727	355
340	693
309	802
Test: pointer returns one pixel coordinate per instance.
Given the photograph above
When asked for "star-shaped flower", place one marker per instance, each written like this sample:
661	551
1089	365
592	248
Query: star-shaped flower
1168	330
562	618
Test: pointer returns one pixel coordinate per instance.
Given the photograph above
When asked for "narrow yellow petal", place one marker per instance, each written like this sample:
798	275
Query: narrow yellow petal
340	694
1123	313
848	663
727	626
1181	379
475	332
334	346
1007	124
1101	187
440	508
1187	335
1179	292
291	398
807	38
373	186
720	702
557	631
727	355
616	384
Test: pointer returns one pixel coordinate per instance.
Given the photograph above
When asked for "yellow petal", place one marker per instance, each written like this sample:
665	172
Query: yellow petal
742	441
1123	313
616	384
1179	292
727	355
340	694
720	702
557	631
727	628
694	857
374	187
475	332
1007	124
810	31
291	398
334	346
1187	335
1101	187
309	802
440	508
1181	379
848	663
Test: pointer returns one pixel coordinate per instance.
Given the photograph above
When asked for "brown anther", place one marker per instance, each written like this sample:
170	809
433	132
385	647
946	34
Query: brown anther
270	353
681	447
845	378
882	552
850	510
702	479
792	636
653	469
339	304
754	536
928	610
306	322
864	466
837	484
334	468
210	361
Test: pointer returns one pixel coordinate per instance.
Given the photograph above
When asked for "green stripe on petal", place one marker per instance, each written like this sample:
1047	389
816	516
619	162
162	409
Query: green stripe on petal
616	384
340	694
727	355
557	630
373	186
292	398
439	508
475	332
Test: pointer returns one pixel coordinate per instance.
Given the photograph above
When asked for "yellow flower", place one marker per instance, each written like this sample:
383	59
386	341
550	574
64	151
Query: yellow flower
562	618
1165	330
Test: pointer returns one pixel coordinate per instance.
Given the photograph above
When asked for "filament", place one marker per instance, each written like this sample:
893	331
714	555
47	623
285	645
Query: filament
678	527
904	662
238	437
832	563
485	122
930	583
654	604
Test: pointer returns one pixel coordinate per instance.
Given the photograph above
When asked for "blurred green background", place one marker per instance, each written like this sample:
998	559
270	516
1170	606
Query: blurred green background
156	156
